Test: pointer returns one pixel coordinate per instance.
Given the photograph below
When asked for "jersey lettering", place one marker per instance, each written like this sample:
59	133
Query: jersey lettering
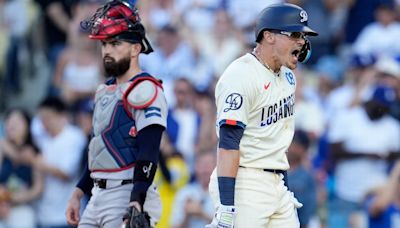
280	110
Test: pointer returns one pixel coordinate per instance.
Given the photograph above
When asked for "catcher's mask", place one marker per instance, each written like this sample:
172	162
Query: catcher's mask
118	19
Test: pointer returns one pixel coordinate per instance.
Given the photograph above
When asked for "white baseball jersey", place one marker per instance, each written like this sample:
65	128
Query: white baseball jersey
262	102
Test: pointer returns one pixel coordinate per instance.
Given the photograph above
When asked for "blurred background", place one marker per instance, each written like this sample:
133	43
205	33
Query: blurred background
344	154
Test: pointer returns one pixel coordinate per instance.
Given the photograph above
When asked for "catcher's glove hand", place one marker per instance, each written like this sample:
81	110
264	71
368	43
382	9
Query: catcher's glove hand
135	219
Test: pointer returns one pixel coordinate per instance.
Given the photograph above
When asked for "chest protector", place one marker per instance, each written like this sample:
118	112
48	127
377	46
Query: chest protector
113	146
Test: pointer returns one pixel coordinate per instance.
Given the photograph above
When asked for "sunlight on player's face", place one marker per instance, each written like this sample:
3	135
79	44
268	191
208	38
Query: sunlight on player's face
287	49
115	49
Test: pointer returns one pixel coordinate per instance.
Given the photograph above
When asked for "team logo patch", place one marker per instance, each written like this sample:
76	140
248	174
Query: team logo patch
304	16
290	78
104	102
234	101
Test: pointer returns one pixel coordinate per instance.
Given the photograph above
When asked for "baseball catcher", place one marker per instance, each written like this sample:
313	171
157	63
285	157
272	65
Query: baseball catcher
128	120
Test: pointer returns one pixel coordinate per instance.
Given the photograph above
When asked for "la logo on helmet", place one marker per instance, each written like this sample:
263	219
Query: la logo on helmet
304	16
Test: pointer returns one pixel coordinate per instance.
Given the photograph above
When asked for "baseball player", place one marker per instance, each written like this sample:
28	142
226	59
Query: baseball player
255	124
128	120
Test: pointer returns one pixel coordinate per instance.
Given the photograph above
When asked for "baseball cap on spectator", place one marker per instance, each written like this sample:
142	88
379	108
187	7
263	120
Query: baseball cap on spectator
330	67
384	95
388	65
361	60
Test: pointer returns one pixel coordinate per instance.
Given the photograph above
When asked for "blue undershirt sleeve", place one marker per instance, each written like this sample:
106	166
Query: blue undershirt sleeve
230	136
85	182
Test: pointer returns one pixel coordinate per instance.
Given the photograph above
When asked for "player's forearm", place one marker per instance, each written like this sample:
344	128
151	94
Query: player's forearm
228	162
227	167
52	170
149	140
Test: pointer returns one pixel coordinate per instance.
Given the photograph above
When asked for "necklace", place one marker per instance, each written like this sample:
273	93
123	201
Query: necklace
263	63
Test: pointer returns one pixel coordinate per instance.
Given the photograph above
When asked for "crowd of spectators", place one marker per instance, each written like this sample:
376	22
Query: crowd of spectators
347	141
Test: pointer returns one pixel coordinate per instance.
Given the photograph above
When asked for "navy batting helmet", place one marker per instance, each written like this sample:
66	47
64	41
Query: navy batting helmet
118	19
283	17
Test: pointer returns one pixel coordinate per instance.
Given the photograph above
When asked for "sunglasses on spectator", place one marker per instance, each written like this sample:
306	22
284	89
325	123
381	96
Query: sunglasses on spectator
294	35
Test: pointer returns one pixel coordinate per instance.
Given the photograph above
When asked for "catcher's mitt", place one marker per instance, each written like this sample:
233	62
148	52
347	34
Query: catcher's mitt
135	219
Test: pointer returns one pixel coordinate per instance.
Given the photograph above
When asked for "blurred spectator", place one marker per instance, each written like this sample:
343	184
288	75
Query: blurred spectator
244	12
78	69
360	13
309	114
207	138
380	37
172	175
5	206
162	13
360	138
383	203
329	74
222	45
17	25
56	14
202	72
388	70
24	182
193	206
183	121
301	182
83	119
62	148
356	87
198	15
171	59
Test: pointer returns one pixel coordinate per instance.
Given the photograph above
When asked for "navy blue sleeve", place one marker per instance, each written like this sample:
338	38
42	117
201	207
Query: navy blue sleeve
86	182
149	139
230	136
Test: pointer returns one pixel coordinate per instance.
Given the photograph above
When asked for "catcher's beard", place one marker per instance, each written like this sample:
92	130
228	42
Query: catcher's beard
116	68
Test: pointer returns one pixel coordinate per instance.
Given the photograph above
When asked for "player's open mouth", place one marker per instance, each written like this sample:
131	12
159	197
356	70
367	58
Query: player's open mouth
296	53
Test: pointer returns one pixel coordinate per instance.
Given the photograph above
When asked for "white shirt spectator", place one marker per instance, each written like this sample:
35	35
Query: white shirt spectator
244	12
379	40
193	192
168	69
355	177
63	151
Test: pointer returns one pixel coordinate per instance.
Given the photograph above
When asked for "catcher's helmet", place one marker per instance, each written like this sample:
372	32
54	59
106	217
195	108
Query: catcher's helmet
283	17
118	19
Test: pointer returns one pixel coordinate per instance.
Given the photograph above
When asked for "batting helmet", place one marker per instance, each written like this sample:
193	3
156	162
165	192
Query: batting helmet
118	19
283	17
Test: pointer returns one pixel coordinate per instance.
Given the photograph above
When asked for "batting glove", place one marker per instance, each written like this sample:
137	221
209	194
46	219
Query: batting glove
224	217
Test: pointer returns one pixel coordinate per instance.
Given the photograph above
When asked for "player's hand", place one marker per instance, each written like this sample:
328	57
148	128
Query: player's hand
135	218
224	217
74	204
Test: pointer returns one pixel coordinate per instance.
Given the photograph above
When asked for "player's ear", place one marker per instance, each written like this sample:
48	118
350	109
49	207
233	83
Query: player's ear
268	36
135	49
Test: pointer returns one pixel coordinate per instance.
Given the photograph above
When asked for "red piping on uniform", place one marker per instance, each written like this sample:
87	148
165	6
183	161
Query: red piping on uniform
129	89
114	170
146	104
